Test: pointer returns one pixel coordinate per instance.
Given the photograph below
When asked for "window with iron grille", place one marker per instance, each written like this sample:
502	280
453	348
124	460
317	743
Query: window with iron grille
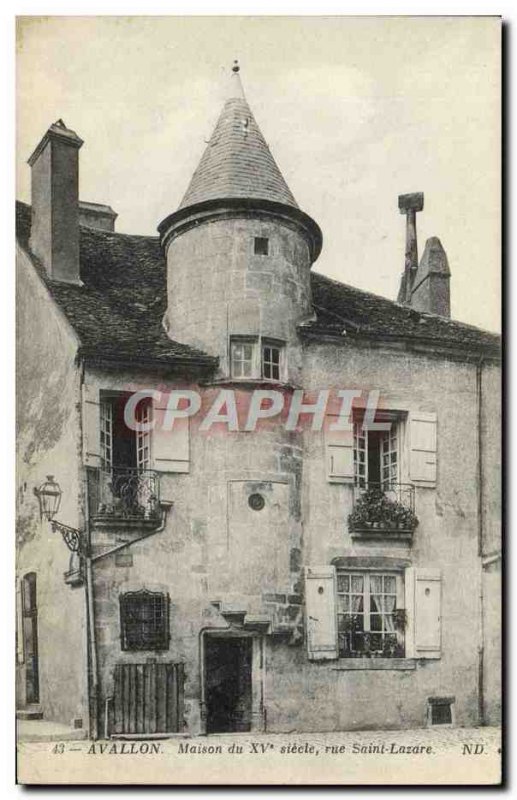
440	711
369	607
144	620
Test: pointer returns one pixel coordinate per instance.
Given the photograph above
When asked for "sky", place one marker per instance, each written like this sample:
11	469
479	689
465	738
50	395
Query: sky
355	110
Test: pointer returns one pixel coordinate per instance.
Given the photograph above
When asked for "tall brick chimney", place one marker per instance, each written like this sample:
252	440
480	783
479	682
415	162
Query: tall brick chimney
55	202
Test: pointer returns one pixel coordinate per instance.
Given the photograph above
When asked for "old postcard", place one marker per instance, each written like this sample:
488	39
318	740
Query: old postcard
258	403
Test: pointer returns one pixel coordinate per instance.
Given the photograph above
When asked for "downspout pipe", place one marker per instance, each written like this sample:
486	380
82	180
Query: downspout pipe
91	646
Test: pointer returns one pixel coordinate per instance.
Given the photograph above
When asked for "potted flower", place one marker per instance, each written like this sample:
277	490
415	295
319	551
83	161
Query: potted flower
375	509
400	619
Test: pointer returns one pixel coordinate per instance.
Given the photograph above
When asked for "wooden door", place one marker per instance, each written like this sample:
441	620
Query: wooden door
148	698
30	638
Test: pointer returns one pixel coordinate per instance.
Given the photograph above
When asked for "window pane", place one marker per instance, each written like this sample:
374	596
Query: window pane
357	604
357	584
375	622
343	603
376	583
343	583
343	622
390	584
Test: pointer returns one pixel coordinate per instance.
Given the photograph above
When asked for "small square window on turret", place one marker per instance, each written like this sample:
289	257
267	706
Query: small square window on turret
261	246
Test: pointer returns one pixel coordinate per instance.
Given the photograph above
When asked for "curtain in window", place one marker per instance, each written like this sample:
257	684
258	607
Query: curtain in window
384	604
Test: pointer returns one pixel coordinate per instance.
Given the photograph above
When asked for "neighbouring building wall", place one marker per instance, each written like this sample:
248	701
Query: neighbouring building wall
491	542
48	438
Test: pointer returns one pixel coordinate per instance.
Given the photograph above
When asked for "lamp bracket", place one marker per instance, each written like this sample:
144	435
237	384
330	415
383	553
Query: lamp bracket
71	536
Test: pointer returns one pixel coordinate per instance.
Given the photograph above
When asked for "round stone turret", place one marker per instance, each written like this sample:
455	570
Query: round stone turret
239	250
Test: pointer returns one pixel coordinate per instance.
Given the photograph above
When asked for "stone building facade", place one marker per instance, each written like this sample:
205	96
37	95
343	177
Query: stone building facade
229	576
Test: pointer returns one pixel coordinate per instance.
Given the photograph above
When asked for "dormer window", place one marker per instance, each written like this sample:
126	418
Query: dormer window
256	359
261	247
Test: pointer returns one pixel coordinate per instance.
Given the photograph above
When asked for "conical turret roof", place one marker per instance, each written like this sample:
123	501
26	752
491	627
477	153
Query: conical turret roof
237	162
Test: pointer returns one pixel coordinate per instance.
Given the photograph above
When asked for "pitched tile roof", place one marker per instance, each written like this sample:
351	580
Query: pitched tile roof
339	307
237	161
118	312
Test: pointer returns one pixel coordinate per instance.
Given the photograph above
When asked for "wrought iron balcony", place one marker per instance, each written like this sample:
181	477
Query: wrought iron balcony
124	497
383	509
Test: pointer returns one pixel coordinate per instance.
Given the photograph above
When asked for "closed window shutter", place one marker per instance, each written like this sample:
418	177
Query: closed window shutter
422	438
170	448
320	609
423	589
339	452
91	426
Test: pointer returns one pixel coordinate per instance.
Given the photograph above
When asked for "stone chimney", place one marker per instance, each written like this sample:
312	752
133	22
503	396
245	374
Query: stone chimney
55	203
97	215
424	286
431	286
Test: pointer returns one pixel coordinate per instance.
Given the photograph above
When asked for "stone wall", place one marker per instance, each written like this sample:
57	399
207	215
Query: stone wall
48	442
215	548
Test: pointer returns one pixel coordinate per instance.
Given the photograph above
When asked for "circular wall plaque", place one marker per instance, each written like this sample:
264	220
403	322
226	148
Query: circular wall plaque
256	502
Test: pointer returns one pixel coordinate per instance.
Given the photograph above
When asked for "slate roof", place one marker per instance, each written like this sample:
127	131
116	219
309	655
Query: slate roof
237	162
118	312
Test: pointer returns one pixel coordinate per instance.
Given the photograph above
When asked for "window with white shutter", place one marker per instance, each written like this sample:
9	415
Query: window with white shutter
91	426
320	609
170	448
339	452
423	447
423	608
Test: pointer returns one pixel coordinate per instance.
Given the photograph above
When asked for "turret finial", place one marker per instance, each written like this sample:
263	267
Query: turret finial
235	67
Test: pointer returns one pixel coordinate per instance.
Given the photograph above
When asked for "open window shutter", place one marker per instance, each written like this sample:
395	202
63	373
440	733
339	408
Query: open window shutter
423	609
320	609
20	649
422	440
91	426
170	449
339	452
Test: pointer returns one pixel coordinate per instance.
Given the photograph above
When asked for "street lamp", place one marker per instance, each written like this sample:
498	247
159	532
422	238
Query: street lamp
49	498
